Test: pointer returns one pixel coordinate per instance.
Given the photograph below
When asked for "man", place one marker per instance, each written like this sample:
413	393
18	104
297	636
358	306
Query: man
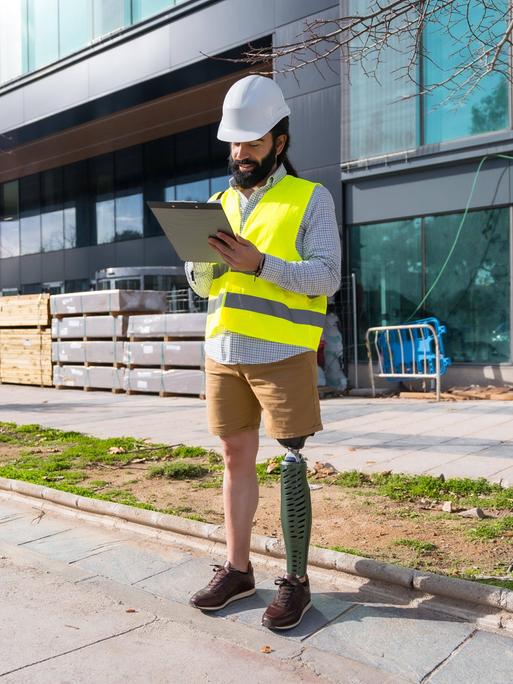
265	317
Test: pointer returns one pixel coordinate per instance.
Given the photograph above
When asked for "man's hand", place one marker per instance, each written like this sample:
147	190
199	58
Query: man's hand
240	254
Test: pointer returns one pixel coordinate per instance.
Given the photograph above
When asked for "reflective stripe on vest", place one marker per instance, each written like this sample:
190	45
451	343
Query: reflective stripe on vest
241	303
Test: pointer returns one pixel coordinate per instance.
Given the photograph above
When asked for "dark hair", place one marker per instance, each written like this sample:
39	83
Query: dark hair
282	128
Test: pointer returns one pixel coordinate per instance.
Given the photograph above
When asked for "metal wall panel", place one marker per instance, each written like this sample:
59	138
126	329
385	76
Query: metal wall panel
10	272
219	27
315	128
130	253
102	256
158	252
76	263
289	10
31	270
422	193
139	59
52	266
309	78
329	176
12	111
63	89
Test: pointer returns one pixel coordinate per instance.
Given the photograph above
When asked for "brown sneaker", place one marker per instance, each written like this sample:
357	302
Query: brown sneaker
227	585
290	603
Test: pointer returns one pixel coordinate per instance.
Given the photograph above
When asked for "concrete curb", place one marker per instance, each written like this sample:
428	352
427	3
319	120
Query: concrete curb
430	583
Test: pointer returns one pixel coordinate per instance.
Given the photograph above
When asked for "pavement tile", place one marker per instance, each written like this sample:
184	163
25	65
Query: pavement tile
29	527
408	642
74	544
179	583
484	659
131	564
326	607
474	468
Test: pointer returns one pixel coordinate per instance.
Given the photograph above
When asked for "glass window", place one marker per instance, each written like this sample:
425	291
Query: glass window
12	62
77	285
42	32
386	258
105	231
31	288
484	109
102	181
52	218
382	105
129	198
30	215
109	15
472	296
128	284
219	183
397	263
146	8
159	156
9	220
75	25
196	190
158	282
76	205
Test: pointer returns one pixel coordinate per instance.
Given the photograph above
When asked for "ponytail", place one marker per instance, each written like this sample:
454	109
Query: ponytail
282	128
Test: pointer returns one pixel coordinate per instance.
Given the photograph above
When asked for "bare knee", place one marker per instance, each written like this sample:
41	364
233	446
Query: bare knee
240	451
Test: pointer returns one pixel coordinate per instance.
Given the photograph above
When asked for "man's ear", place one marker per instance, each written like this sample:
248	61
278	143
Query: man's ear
280	143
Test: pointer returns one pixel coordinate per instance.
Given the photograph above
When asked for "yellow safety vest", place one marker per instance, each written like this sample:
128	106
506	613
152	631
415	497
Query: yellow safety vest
242	303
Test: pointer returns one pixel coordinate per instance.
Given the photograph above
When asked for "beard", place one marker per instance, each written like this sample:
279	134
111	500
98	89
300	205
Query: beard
260	170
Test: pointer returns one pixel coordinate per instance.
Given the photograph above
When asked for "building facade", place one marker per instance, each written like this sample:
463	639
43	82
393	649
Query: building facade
105	104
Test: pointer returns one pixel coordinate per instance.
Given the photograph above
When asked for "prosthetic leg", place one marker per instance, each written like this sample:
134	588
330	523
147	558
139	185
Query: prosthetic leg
296	507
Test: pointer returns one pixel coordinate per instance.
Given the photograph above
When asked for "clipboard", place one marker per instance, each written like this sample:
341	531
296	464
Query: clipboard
188	225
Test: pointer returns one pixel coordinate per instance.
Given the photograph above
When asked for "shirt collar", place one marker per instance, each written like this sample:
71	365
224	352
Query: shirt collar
274	178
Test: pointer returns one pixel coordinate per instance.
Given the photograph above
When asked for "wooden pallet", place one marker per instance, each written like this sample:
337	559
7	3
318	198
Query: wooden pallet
24	311
26	356
113	390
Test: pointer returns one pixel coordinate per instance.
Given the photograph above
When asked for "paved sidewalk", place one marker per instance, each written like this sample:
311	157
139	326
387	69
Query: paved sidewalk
465	439
84	602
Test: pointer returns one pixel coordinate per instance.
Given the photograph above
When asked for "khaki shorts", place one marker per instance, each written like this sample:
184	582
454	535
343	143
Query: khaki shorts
285	391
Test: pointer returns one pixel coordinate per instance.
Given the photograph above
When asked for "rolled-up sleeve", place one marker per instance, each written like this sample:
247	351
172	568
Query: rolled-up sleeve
319	272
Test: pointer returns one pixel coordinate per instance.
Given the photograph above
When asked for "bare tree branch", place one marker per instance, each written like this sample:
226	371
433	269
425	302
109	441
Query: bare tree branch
480	33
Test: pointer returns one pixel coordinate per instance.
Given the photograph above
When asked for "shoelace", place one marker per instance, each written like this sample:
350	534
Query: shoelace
285	591
218	574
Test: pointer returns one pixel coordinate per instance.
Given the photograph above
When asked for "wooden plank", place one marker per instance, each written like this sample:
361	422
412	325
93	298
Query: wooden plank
25	310
26	356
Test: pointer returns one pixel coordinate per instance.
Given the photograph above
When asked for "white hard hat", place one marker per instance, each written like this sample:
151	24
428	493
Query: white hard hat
251	108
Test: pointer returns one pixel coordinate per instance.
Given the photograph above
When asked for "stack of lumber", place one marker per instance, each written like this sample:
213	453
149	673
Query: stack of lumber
89	330
165	354
25	340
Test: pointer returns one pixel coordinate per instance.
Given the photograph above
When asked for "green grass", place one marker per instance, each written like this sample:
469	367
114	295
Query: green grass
346	549
461	491
263	476
178	470
417	545
491	529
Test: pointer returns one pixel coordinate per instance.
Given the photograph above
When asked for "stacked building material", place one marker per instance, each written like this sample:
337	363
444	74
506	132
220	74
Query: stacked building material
165	354
25	340
88	348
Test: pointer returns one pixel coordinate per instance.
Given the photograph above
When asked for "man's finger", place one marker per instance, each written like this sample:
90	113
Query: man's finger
227	239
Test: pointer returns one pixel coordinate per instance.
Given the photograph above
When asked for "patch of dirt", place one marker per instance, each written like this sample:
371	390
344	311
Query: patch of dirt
353	519
8	452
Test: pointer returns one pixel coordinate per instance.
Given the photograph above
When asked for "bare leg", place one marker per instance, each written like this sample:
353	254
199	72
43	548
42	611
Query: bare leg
240	494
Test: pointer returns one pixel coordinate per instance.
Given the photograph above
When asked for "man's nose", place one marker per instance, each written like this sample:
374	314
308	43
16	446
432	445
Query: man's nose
241	151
